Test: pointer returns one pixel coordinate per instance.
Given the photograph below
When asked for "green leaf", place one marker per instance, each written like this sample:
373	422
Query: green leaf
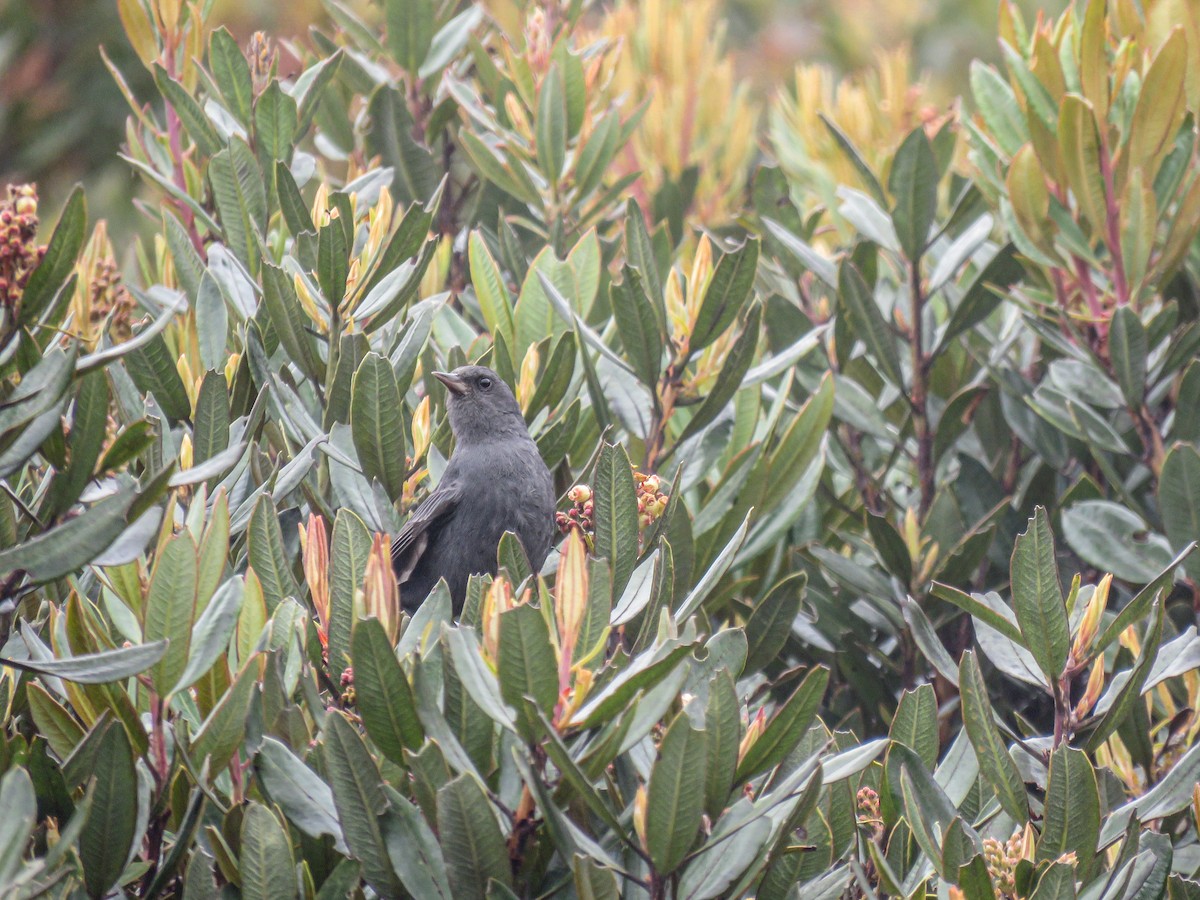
153	371
594	881
1080	149
479	682
865	174
58	263
732	376
89	426
729	290
470	837
53	722
449	41
1130	692
720	565
410	28
995	763
359	798
810	259
222	732
414	850
999	107
915	724
927	809
96	668
391	137
383	696
71	545
210	636
305	799
309	89
675	796
1161	105
110	827
171	608
642	673
551	126
1179	500
597	153
639	252
19	803
1057	882
1037	597
290	322
40	389
210	435
986	292
1172	793
195	121
869	322
615	514
1137	608
787	725
527	666
723	724
291	203
377	424
890	547
494	300
636	323
266	554
241	200
770	624
333	264
265	862
275	123
348	550
1072	809
1127	348
913	183
231	73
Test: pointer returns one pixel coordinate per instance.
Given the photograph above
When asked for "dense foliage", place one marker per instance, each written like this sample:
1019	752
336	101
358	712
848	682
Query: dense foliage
832	418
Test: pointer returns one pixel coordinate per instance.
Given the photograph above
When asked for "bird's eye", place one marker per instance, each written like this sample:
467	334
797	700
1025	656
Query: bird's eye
485	382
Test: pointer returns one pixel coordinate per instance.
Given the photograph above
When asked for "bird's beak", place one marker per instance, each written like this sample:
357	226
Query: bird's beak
452	382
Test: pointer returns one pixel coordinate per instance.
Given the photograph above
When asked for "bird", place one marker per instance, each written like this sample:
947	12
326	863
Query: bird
495	481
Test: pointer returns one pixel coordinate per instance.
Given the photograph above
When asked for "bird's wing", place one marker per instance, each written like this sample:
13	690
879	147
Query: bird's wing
411	541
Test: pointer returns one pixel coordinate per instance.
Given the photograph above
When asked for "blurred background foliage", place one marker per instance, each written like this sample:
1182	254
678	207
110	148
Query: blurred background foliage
62	115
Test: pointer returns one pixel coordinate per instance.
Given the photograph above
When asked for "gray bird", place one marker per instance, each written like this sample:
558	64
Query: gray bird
495	482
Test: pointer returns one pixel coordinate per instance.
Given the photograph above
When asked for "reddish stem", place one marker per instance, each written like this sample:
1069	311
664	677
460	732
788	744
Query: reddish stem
1112	216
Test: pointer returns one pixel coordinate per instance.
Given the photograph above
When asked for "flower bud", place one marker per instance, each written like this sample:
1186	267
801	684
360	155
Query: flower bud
1089	625
753	733
581	493
314	550
1091	693
381	596
639	814
185	453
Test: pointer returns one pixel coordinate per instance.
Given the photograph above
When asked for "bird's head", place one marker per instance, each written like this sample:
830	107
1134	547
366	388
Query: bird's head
482	407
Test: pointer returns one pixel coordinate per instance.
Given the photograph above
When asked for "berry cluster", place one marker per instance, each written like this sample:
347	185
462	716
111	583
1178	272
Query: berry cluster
868	805
1002	859
580	514
109	297
651	502
19	253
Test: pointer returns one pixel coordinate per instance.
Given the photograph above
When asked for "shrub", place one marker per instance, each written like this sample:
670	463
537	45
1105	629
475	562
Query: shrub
805	634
